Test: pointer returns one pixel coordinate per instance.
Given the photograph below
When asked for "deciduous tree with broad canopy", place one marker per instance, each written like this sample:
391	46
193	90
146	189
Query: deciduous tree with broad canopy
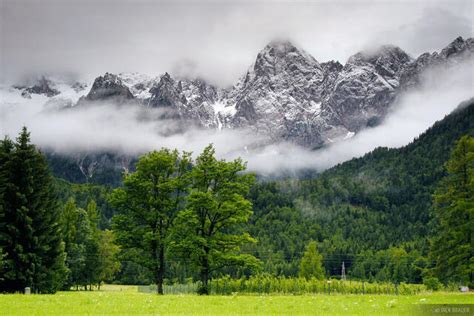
147	206
210	230
311	265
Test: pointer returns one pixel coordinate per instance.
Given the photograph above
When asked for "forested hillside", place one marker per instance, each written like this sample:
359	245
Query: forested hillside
372	213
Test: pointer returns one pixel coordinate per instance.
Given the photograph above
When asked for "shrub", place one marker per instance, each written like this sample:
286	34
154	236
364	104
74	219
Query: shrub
432	284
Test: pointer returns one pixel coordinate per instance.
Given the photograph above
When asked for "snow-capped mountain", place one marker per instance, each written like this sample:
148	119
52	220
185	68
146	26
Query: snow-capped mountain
364	88
286	94
191	100
280	95
108	88
456	51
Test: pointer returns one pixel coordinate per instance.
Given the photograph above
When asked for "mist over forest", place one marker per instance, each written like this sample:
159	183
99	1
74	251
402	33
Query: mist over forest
253	149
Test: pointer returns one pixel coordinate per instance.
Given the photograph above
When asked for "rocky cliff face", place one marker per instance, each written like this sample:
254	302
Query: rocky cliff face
455	52
280	95
289	95
189	100
42	86
108	88
365	87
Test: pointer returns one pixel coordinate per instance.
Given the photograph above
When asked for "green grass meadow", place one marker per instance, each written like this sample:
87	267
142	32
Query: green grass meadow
125	300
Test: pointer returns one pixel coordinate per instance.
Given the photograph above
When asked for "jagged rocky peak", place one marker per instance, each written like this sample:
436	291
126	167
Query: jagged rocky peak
457	47
42	86
198	90
138	83
389	60
282	56
454	52
280	95
79	86
109	87
166	93
331	66
190	100
280	68
365	87
285	94
331	70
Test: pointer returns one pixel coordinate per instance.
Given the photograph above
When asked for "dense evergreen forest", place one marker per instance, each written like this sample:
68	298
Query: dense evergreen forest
373	212
377	215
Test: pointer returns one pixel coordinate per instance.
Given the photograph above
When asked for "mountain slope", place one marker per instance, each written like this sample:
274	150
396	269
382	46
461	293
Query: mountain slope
108	88
280	94
373	210
362	206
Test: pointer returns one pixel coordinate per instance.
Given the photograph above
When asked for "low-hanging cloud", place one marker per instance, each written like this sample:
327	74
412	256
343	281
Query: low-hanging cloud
134	130
415	111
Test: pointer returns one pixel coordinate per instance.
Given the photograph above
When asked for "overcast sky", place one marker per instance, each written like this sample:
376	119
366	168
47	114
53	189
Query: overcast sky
214	40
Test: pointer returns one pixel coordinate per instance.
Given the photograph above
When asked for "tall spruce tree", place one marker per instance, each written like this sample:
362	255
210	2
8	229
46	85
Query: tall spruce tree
452	247
6	192
29	231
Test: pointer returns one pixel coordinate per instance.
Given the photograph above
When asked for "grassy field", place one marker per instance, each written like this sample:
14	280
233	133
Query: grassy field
125	300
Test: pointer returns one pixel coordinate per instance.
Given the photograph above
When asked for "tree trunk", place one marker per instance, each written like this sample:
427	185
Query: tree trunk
161	271
204	289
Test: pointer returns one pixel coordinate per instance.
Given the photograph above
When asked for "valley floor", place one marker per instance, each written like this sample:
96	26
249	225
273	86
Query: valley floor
125	300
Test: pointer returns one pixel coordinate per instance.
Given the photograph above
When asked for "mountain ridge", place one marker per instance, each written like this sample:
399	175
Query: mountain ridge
286	94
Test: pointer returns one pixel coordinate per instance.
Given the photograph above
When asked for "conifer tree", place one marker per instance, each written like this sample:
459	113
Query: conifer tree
29	234
6	193
451	247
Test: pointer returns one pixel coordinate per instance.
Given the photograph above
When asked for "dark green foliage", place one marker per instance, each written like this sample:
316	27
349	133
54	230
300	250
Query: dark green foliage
83	194
29	229
268	284
75	232
393	264
1	264
360	209
131	272
452	246
432	283
91	253
108	256
373	213
148	205
311	263
210	230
